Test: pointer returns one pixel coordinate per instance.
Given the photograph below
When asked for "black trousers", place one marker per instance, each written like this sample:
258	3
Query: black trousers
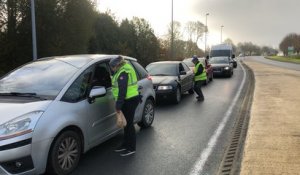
197	88
128	109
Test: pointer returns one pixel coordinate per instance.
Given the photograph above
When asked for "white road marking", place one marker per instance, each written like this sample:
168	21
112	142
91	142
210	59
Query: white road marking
198	166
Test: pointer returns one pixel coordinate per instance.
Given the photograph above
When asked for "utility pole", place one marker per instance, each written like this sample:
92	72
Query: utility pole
172	35
221	33
206	29
34	47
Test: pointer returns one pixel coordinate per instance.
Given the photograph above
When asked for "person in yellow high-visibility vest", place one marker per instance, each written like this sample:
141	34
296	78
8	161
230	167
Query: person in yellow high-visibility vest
200	77
126	94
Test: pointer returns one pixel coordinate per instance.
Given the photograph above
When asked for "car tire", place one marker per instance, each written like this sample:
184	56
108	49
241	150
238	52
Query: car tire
191	91
211	77
65	153
148	114
177	95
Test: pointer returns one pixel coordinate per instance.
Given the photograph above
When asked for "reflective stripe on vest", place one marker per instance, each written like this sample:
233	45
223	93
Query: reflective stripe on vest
132	86
202	76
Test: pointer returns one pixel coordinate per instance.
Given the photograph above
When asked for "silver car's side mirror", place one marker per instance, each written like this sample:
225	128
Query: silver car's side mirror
97	91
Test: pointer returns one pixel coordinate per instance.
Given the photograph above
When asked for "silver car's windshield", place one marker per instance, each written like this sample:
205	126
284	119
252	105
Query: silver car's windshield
43	78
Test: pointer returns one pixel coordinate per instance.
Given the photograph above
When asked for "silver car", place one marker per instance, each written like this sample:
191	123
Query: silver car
56	108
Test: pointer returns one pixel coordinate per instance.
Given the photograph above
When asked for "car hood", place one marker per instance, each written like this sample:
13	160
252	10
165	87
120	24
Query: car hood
9	111
219	65
163	79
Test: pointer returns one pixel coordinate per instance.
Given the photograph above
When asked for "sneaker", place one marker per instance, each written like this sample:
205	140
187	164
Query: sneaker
120	149
200	98
127	153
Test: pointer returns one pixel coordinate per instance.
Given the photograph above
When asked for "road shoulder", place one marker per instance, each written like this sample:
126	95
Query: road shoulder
273	138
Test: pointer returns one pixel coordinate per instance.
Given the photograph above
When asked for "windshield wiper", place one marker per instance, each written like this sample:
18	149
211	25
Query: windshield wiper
22	94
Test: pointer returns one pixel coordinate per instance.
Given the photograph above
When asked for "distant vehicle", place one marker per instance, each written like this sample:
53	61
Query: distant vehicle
207	65
233	60
223	50
241	55
222	66
171	79
54	109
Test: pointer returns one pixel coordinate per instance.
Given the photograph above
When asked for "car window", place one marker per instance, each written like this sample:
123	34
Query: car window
79	88
186	68
44	77
163	69
181	67
189	62
102	75
142	73
219	60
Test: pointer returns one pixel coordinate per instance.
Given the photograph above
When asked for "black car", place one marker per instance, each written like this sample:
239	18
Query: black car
222	66
171	79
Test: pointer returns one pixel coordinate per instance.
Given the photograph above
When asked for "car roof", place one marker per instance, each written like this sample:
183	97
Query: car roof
168	62
81	60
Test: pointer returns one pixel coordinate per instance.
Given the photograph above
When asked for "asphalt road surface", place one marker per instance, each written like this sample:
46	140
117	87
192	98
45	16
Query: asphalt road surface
261	59
182	139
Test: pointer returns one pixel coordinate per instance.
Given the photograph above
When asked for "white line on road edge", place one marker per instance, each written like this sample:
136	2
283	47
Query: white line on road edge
198	166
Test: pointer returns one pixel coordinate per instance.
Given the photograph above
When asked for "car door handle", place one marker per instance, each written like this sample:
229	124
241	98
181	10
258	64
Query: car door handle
140	87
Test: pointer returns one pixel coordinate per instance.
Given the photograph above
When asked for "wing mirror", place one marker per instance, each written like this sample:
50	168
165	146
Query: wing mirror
97	91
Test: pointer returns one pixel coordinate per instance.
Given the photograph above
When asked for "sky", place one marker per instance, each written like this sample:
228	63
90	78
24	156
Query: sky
262	22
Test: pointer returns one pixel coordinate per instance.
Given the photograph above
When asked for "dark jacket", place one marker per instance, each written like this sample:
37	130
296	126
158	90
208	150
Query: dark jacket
200	70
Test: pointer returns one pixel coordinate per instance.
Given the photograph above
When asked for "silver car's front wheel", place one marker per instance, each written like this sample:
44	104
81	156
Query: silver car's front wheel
65	153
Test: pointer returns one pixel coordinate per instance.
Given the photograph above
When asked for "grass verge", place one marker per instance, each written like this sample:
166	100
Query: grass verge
291	59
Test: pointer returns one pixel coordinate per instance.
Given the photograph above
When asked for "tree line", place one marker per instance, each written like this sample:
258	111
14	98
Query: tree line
67	27
291	40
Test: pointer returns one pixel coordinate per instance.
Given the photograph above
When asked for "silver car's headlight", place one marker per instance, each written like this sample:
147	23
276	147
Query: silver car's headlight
226	68
19	126
165	88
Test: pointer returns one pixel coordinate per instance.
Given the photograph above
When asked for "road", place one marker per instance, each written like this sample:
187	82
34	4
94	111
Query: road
178	141
263	60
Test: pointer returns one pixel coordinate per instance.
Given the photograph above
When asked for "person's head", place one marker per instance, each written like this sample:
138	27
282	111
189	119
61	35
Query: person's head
195	59
116	63
207	57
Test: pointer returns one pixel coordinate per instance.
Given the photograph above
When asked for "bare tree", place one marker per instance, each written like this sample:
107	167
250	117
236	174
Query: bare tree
291	40
194	30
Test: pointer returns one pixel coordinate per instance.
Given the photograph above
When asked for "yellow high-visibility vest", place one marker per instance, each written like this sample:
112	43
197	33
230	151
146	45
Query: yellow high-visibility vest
202	76
132	86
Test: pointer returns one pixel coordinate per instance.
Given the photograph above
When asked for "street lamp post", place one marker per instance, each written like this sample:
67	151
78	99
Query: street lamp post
172	35
205	32
34	47
221	32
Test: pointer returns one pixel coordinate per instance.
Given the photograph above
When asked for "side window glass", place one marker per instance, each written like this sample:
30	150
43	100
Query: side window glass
79	89
142	73
181	68
186	68
102	76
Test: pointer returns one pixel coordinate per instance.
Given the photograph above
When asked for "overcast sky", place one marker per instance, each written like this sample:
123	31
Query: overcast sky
263	22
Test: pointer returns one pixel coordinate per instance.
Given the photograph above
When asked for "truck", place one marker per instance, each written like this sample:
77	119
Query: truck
223	50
